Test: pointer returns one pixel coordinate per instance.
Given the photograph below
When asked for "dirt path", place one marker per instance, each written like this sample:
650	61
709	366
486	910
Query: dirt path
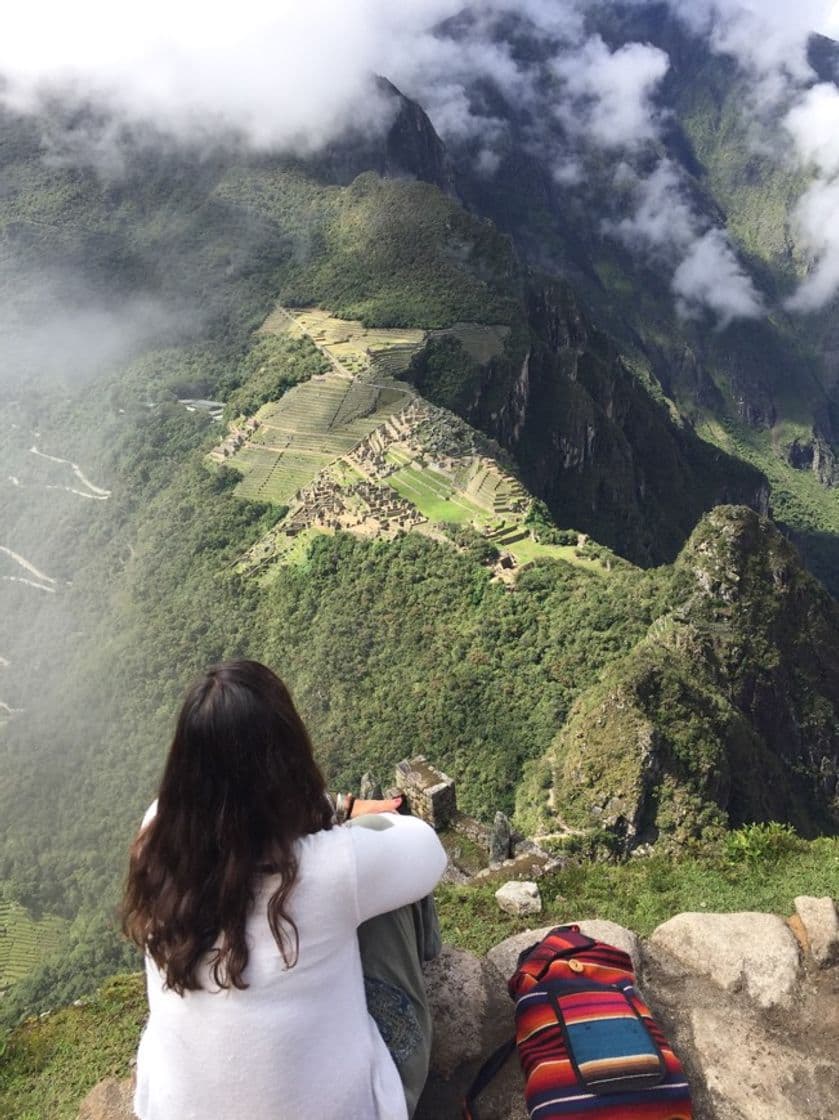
95	491
81	493
336	363
28	582
24	563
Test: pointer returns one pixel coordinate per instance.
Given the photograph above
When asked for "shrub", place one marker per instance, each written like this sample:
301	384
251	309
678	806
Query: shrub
758	843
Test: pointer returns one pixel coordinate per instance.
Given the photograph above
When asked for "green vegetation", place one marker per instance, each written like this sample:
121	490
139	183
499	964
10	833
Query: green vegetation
380	251
273	364
25	942
50	1065
643	893
667	743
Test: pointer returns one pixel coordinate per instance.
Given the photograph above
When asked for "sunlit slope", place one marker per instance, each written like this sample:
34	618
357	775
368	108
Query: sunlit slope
25	942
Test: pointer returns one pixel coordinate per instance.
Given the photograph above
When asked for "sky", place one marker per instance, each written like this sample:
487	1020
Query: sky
295	76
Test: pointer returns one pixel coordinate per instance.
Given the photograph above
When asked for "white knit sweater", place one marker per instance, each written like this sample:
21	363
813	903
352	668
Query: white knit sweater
296	1044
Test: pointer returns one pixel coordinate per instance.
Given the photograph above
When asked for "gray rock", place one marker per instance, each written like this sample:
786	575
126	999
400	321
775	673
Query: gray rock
500	840
519	898
472	1015
754	953
819	918
368	788
504	957
752	1074
109	1100
456	984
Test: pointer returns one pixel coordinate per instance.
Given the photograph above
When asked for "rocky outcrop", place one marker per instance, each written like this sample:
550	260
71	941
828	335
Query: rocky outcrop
726	712
816	455
753	1017
408	147
592	440
755	953
746	1056
109	1100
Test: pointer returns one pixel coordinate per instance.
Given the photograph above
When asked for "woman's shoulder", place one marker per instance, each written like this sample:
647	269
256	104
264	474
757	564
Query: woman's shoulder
328	847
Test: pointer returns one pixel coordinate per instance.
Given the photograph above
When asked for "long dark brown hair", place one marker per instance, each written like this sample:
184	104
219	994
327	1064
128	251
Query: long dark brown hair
240	787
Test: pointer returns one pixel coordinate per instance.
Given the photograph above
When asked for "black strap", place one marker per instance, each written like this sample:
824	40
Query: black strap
490	1069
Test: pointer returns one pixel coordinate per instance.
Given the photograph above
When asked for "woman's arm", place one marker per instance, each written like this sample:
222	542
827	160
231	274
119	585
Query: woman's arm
398	862
346	806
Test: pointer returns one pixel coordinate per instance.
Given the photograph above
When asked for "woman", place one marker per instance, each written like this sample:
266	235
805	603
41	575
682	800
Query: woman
247	903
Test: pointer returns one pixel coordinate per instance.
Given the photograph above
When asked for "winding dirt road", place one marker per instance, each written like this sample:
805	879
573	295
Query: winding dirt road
94	491
45	580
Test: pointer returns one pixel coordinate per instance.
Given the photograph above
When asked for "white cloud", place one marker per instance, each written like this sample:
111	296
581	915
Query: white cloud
663	224
298	76
813	124
830	22
817	221
289	74
607	96
666	228
710	276
768	37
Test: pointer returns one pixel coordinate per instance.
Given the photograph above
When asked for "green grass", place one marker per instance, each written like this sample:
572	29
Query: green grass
25	942
644	893
797	495
528	550
434	496
49	1065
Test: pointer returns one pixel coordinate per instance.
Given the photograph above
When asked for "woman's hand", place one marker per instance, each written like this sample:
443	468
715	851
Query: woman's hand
387	805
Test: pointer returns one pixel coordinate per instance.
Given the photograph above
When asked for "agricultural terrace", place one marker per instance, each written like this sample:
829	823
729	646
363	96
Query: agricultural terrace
432	493
309	427
353	349
379	352
481	342
24	942
498	514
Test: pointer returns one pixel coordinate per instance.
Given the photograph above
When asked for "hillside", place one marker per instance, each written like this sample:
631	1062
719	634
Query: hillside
722	689
431	444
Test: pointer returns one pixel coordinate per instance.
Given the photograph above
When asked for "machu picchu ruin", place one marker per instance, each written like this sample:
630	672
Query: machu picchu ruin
356	450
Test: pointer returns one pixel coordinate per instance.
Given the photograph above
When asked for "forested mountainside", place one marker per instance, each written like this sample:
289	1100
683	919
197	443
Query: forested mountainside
426	431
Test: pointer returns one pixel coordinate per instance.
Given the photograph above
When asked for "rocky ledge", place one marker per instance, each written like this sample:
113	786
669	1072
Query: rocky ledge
748	1000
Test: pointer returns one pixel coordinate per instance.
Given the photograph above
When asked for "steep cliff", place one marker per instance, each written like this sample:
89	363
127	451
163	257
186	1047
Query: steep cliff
595	439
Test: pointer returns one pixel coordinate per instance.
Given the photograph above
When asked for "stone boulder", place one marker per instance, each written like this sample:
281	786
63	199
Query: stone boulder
752	953
821	925
743	1061
459	994
504	956
472	1016
519	898
109	1100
